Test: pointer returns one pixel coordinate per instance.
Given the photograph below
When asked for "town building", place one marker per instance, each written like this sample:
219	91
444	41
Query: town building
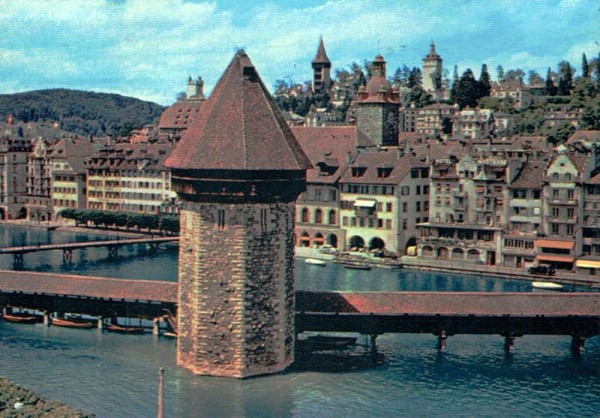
180	115
516	92
432	70
377	107
473	124
66	160
13	175
130	178
435	121
39	182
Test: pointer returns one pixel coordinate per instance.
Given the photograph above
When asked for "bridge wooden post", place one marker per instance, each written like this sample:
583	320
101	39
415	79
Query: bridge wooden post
442	340
100	323
47	319
67	255
113	250
156	326
509	344
18	259
577	344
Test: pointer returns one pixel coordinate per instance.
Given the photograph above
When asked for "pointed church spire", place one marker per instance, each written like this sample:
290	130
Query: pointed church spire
321	57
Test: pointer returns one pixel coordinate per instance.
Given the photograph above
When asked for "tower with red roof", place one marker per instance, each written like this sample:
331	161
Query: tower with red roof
238	170
321	69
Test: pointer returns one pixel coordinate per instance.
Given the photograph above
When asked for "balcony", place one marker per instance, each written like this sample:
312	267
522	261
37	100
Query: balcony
563	201
562	220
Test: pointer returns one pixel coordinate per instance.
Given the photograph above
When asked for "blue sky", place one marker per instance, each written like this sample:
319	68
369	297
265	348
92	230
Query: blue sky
147	49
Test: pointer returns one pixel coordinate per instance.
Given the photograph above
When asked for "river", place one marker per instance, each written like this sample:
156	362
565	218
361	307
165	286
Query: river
117	375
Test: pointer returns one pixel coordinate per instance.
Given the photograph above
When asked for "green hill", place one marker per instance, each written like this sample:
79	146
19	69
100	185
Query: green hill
80	112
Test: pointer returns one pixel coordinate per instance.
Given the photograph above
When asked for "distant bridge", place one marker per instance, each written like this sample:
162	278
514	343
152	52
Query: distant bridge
371	313
67	248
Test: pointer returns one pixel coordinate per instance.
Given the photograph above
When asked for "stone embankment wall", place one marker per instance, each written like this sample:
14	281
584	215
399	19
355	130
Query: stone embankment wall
16	401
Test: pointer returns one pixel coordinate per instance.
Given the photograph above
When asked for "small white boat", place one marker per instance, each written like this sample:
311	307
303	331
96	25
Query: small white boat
315	262
547	285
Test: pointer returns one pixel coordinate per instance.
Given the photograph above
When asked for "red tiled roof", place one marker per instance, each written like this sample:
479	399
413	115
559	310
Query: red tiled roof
239	128
370	161
328	145
531	176
584	135
180	115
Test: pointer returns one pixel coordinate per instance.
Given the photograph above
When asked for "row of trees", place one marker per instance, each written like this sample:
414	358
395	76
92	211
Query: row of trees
128	220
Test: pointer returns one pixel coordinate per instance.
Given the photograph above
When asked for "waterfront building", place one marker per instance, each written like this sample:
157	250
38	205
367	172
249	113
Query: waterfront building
378	107
39	179
525	215
563	205
321	70
69	174
131	178
180	115
238	171
383	196
13	174
330	151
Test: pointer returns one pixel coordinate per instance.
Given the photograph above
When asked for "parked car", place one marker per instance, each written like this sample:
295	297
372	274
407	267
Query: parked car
544	270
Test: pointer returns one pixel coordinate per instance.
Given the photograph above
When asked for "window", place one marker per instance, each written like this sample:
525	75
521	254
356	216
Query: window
555	212
418	190
388	207
570	229
304	217
418	206
318	216
404	224
405	191
332	217
221	218
404	207
570	194
414	173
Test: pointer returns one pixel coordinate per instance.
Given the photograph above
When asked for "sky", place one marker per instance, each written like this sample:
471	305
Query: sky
148	49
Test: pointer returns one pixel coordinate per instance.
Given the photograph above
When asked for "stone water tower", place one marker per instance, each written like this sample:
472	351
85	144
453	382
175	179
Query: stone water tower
238	170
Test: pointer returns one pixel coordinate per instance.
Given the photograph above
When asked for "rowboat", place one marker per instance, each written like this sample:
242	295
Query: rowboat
124	329
547	285
355	265
325	342
21	318
72	323
315	262
170	334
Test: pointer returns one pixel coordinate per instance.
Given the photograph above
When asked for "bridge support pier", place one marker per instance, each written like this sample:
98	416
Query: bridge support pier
373	342
113	250
577	345
18	259
156	326
47	319
441	345
100	323
509	344
67	256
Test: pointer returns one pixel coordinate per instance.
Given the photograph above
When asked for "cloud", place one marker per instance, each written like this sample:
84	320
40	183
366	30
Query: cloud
148	49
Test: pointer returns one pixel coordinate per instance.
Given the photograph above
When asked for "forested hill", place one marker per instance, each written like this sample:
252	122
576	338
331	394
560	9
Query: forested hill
80	112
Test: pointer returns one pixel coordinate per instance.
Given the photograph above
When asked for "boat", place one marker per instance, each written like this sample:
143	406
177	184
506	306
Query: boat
547	285
325	342
72	323
124	329
170	334
315	262
355	265
21	318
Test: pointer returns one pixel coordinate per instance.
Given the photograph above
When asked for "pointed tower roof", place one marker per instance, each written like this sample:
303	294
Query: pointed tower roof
433	55
321	57
239	128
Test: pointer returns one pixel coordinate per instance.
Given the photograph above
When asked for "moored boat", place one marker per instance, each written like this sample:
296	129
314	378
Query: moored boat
124	329
547	285
325	342
355	265
72	323
169	334
21	318
315	262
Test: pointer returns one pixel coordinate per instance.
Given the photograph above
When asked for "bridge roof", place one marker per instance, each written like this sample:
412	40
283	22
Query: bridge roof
85	286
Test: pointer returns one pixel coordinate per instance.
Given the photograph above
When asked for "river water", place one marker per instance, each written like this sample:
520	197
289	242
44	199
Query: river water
117	375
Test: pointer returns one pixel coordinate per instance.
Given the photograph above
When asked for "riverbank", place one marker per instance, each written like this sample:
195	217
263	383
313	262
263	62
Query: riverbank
16	401
469	268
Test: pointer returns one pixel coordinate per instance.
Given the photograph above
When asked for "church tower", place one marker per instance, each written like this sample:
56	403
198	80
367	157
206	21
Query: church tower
321	70
378	107
432	70
238	170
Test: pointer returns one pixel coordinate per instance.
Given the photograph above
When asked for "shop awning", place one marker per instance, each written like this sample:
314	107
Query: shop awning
555	257
364	203
550	243
587	264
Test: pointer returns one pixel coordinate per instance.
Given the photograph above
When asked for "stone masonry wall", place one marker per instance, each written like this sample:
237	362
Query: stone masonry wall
236	288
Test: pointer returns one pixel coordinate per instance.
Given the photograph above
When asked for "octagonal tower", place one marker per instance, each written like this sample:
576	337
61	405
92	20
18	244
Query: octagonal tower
238	170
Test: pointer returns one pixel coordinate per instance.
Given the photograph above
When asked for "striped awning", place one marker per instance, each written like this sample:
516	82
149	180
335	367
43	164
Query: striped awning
364	203
587	264
556	257
550	243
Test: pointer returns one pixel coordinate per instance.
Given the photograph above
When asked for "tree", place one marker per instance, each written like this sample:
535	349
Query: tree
468	90
550	86
500	72
400	77
585	68
485	86
516	75
597	70
454	88
584	91
534	78
565	84
415	78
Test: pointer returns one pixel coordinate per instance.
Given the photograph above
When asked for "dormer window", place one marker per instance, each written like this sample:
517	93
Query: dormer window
384	172
358	171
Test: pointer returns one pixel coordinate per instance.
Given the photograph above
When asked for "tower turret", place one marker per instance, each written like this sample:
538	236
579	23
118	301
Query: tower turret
238	170
432	70
321	69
